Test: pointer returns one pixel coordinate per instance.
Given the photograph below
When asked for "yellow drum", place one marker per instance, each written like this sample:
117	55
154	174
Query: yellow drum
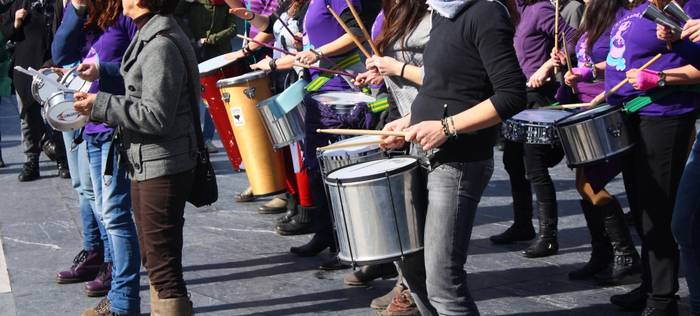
264	166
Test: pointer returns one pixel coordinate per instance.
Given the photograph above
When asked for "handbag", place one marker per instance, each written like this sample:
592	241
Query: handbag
204	188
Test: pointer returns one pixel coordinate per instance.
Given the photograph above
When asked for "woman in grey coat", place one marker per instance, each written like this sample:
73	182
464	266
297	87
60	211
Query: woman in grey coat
156	126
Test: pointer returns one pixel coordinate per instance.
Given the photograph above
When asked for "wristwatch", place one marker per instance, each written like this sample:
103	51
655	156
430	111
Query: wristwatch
662	79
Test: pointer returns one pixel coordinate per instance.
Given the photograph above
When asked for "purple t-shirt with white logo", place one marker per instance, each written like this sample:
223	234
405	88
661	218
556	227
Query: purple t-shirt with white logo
588	58
377	26
633	42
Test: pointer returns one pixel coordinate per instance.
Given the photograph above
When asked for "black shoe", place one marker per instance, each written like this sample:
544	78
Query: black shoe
623	266
287	217
333	265
546	243
602	252
627	261
300	224
63	171
30	172
318	243
2	163
669	310
589	270
634	301
370	273
514	234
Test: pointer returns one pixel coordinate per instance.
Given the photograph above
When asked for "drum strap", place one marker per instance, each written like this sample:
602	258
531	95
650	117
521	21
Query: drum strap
640	102
324	77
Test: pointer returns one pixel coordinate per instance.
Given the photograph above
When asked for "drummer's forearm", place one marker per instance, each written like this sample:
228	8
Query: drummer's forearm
341	45
285	62
681	76
481	116
260	21
413	74
262	38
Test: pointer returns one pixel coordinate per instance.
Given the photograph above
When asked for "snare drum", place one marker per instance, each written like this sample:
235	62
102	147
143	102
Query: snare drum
72	81
332	159
283	128
264	166
373	210
594	135
60	114
534	126
211	71
343	101
41	91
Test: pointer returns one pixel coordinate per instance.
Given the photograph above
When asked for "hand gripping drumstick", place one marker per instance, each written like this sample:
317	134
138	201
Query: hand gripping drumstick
361	132
568	60
347	31
362	27
556	30
601	97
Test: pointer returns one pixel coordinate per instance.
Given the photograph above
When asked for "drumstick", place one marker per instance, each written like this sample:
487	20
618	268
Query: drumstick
347	31
337	72
556	30
601	97
568	60
346	145
266	45
360	132
362	27
567	106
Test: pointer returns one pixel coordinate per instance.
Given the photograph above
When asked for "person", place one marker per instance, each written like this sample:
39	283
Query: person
5	81
454	130
27	24
155	118
663	128
210	28
571	11
105	34
528	164
613	254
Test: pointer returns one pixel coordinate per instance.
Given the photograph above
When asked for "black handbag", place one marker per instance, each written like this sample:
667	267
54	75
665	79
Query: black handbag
204	188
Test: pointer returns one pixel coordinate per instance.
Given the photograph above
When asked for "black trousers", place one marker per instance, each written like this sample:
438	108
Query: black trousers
660	156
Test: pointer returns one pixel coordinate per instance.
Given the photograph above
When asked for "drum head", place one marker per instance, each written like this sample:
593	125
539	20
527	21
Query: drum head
343	98
351	151
61	115
587	114
373	169
213	64
241	79
73	82
541	116
41	90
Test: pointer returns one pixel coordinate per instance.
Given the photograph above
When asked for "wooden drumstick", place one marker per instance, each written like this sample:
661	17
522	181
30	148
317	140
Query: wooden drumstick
568	60
567	106
360	132
601	97
346	145
347	31
556	30
337	72
362	27
266	45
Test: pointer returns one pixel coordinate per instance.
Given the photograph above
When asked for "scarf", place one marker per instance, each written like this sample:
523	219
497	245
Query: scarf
448	8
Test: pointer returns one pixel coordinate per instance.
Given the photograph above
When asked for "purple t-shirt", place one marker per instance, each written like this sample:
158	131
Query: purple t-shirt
588	58
377	26
260	7
108	46
633	42
322	28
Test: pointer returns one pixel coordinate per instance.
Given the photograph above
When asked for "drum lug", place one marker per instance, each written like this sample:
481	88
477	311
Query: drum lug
250	92
225	97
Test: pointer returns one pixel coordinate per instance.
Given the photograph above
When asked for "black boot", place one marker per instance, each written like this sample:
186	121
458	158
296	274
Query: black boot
300	224
63	171
635	300
292	210
627	261
522	229
30	171
602	253
546	243
670	309
320	241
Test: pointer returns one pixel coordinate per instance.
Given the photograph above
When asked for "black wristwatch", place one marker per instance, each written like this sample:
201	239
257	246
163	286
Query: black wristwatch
273	64
662	79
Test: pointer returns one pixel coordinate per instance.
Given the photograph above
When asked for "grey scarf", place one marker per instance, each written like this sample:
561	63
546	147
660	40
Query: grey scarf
448	8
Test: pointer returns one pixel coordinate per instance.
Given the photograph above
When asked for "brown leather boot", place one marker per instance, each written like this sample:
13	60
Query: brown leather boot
179	306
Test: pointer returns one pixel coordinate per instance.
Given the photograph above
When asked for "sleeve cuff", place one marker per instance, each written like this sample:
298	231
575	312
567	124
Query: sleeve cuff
99	109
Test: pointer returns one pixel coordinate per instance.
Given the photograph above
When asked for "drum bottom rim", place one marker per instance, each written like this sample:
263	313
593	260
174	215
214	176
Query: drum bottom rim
386	259
616	153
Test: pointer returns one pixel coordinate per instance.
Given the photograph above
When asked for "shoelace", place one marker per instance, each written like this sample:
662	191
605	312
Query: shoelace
401	301
103	307
80	258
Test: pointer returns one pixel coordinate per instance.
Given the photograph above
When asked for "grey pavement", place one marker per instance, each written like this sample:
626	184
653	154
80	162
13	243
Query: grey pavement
236	265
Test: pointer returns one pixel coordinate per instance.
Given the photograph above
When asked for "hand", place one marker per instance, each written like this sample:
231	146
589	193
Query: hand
369	77
20	15
307	57
88	71
558	58
539	78
386	66
643	80
691	30
203	41
84	102
393	142
666	34
429	134
571	78
234	55
263	65
242	13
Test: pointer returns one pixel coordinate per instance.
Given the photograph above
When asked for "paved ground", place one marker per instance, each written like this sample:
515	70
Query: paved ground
236	265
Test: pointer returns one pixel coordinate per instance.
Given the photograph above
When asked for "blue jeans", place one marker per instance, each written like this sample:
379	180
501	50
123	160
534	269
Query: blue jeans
208	129
112	199
449	199
94	235
686	224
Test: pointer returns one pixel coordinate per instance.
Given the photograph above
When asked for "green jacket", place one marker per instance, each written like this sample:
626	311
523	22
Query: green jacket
200	19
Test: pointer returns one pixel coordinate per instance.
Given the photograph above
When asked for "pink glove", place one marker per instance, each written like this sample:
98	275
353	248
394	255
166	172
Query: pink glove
585	73
647	80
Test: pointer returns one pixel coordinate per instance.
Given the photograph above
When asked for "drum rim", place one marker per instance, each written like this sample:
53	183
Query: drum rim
349	105
36	80
394	172
248	77
214	70
513	118
584	116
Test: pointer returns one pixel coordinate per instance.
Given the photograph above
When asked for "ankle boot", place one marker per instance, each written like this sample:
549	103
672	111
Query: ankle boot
320	241
546	243
102	283
85	267
30	171
627	261
292	210
179	306
635	300
522	229
299	225
371	272
602	253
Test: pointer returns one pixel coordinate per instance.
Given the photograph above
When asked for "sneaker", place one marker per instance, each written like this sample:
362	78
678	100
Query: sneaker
104	308
401	305
30	172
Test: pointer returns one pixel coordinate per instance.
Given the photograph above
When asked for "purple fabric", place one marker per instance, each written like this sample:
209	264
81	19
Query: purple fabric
377	26
534	36
633	42
587	58
600	174
261	7
108	46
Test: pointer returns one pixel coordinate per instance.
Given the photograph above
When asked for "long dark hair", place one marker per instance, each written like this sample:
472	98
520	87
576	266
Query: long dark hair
400	19
102	14
600	15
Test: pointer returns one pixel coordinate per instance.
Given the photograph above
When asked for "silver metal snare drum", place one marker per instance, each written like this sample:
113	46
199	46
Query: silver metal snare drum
332	159
41	90
283	128
72	81
373	210
343	101
594	135
534	126
59	112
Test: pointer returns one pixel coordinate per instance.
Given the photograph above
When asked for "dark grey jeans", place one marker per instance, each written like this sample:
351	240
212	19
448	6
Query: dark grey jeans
448	196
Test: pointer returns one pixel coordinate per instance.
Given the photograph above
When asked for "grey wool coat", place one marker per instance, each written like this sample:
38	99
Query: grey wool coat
154	116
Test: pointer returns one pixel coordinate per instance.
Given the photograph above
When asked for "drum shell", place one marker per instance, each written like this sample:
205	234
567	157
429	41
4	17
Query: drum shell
282	128
376	220
72	81
264	166
217	109
531	131
596	139
330	162
56	99
38	84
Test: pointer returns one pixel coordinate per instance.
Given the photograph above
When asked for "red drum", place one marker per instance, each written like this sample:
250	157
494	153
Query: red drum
210	72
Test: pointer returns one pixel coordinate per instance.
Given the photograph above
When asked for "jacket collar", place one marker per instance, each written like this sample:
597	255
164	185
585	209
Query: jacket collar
156	25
